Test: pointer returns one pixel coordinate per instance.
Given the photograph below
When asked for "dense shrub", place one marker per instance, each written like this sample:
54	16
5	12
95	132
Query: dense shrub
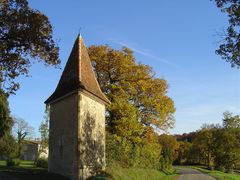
119	150
169	148
41	162
128	154
150	155
13	162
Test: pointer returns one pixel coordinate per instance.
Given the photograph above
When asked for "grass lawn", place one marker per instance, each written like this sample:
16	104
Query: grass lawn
218	174
27	171
26	164
3	163
118	173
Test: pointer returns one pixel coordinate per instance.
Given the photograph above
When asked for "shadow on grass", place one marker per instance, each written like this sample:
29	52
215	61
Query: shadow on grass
30	173
170	171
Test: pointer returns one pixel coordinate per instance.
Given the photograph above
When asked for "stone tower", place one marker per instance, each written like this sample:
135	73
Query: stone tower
77	119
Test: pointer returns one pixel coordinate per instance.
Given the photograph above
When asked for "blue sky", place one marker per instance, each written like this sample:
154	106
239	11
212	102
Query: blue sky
177	38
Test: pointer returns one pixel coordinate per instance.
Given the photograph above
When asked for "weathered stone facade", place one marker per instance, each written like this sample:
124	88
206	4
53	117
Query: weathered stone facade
30	150
77	119
91	136
63	133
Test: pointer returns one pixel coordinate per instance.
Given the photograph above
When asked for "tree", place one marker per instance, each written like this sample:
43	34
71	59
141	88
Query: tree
25	33
138	98
227	151
230	48
183	152
8	146
169	150
219	146
139	107
189	137
22	130
44	132
230	121
7	142
124	120
6	121
227	154
204	144
214	145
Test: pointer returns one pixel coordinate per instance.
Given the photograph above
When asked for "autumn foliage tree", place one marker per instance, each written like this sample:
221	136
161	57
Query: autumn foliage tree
139	107
215	146
169	150
25	34
183	152
138	97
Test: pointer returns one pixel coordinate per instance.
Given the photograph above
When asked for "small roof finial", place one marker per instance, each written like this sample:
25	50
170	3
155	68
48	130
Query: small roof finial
79	31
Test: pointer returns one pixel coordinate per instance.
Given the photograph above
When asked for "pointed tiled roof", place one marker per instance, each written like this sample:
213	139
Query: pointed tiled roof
78	74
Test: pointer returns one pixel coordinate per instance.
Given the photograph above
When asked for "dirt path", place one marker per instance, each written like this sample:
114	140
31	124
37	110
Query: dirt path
192	174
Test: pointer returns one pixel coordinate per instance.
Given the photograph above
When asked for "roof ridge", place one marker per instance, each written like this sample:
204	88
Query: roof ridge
78	74
82	45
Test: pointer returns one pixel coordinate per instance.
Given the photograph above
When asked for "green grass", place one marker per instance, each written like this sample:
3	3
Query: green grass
26	164
3	163
217	174
118	173
27	171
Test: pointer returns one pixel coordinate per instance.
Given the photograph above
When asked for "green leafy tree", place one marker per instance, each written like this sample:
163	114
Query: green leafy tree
183	152
227	154
169	146
227	151
8	146
229	49
216	146
219	146
205	146
7	142
230	121
25	33
6	121
121	151
44	132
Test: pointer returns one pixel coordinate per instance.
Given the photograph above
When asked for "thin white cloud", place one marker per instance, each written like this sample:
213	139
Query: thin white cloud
144	53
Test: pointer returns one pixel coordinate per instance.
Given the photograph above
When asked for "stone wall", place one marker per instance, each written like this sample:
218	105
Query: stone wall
91	136
30	151
63	154
77	136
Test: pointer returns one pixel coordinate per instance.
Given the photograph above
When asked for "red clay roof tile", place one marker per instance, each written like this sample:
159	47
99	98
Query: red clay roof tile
78	74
